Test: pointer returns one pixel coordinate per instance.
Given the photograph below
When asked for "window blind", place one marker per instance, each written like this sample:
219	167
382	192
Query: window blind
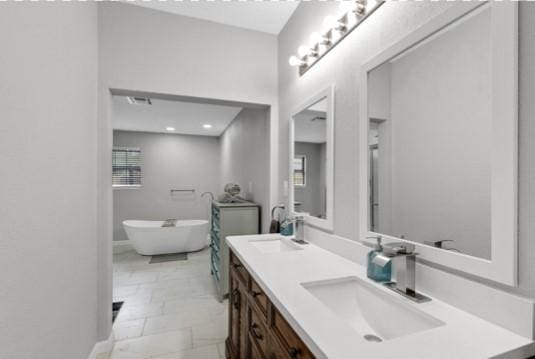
126	166
299	175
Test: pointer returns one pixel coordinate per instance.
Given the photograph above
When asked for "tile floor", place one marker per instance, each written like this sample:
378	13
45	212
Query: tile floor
170	309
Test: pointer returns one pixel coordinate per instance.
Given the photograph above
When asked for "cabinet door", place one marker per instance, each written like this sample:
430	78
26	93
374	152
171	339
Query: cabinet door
289	342
236	302
244	335
256	353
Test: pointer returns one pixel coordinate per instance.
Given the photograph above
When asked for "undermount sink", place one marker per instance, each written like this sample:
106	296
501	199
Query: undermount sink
274	245
374	314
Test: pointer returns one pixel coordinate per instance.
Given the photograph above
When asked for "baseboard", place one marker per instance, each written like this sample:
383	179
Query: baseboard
122	246
104	346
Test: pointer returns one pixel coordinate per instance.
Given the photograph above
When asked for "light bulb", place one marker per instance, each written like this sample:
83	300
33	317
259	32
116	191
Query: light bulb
303	50
207	126
295	61
170	129
360	7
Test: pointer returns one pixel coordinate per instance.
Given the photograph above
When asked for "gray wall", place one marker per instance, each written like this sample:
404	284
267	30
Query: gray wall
441	139
148	50
341	66
48	141
168	162
245	157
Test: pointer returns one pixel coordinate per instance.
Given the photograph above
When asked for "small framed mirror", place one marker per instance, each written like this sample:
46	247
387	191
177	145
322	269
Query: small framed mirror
438	138
311	160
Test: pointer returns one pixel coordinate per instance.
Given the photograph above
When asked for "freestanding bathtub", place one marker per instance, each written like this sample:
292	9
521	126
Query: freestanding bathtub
150	238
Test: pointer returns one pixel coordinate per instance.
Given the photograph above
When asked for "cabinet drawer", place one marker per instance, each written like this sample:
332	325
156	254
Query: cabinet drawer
257	331
239	269
260	298
290	342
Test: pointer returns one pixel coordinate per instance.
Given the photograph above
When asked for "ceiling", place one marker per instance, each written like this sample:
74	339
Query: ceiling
267	16
185	117
310	124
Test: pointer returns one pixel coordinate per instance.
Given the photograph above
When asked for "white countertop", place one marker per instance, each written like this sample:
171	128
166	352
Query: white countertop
280	275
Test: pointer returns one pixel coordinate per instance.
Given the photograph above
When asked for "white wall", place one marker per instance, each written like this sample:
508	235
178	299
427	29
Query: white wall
341	66
153	51
245	158
48	181
169	161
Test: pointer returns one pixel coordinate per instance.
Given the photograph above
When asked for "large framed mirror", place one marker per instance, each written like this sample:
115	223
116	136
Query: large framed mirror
438	133
311	160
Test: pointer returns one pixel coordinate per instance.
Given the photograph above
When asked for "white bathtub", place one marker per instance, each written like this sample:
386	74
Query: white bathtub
150	238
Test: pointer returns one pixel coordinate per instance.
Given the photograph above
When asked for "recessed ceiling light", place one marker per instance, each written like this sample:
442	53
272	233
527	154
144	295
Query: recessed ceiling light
207	126
169	128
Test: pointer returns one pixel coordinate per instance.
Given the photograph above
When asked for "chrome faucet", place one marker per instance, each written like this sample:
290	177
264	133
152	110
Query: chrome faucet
404	258
210	194
299	229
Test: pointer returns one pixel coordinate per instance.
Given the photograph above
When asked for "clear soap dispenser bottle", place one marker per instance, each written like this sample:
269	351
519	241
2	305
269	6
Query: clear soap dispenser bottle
375	271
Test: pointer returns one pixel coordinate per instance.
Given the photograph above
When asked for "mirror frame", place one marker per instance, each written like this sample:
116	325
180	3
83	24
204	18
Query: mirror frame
326	224
503	266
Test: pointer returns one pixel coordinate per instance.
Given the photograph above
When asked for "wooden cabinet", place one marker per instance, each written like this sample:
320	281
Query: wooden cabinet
256	328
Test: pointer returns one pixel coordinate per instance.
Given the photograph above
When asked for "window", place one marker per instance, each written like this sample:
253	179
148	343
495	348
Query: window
126	167
300	171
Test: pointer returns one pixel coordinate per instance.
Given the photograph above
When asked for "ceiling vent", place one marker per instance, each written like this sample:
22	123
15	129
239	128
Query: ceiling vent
135	100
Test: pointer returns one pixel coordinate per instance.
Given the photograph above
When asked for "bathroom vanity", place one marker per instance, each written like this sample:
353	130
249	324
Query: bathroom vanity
301	301
256	328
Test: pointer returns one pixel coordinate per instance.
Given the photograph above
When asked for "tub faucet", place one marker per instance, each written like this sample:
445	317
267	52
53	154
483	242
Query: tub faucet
299	229
404	258
209	193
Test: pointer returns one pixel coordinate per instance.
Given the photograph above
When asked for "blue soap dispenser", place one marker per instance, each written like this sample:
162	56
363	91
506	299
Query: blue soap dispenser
375	271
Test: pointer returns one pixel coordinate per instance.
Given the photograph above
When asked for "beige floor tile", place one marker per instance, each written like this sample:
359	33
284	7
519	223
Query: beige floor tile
128	329
137	300
171	303
196	303
211	333
175	321
103	356
138	278
153	345
124	291
206	352
139	311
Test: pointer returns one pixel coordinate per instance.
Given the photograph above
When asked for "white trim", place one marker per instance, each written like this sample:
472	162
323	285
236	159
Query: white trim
326	224
104	346
504	30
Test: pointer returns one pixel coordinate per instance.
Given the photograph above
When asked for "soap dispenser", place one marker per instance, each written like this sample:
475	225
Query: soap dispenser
375	271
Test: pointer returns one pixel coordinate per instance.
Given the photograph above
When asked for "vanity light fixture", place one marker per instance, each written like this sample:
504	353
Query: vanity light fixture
336	28
170	129
207	126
